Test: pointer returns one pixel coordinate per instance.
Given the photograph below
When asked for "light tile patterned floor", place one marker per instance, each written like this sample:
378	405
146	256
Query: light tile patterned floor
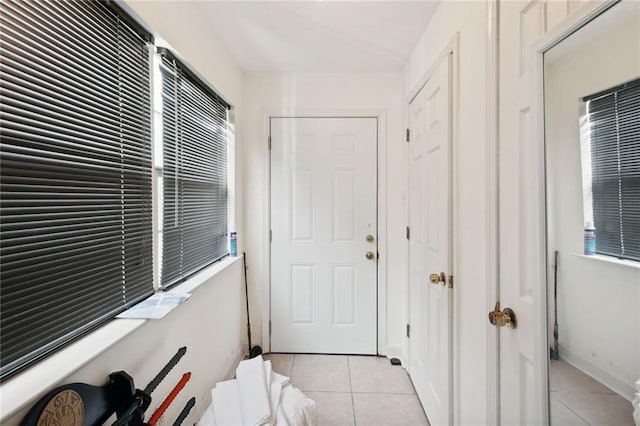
579	400
353	390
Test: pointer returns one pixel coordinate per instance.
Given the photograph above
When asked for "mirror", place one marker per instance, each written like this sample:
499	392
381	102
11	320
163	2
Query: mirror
592	143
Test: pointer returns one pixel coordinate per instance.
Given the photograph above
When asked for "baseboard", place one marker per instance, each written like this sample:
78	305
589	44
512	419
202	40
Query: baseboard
617	385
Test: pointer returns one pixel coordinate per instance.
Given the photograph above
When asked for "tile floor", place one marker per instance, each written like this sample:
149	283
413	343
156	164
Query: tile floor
353	390
577	399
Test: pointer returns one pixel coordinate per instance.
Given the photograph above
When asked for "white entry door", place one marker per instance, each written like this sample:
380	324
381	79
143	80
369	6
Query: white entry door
324	235
430	245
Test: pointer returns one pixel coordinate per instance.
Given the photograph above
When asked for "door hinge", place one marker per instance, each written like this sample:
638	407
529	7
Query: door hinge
269	327
408	233
269	142
270	236
408	331
408	135
450	281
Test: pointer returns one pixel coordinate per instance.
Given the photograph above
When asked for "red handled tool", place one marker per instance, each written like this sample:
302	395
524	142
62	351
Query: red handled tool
169	399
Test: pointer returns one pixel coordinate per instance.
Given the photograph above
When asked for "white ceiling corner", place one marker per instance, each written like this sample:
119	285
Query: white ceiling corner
320	36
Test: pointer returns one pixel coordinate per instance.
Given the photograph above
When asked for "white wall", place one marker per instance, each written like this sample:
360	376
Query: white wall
598	302
211	323
469	21
283	93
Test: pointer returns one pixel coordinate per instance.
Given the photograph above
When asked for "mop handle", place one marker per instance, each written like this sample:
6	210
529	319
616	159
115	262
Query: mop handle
169	399
165	370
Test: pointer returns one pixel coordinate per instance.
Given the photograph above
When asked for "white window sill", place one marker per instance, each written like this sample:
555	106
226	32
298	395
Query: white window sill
610	259
23	389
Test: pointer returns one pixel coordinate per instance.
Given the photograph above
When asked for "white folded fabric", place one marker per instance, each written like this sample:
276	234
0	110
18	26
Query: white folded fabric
259	396
254	397
295	409
227	410
278	381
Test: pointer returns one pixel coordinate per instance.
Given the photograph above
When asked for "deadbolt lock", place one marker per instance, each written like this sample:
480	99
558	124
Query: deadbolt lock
437	278
369	255
502	318
370	238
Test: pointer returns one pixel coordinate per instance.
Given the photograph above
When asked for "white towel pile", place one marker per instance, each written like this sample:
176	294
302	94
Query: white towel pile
259	396
636	404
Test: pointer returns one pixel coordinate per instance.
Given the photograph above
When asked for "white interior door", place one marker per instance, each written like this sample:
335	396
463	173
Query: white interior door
524	354
521	25
323	223
430	245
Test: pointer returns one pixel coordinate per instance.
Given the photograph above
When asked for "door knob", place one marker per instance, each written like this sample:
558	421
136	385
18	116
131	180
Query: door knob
369	255
370	238
437	278
502	318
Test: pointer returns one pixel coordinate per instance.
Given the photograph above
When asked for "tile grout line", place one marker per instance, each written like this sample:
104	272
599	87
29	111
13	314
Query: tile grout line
571	410
353	405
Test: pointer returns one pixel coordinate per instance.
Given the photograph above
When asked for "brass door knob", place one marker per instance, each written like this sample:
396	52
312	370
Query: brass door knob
369	255
437	278
370	238
502	318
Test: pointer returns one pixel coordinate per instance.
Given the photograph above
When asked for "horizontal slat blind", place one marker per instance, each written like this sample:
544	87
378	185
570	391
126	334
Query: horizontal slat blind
75	158
614	119
194	174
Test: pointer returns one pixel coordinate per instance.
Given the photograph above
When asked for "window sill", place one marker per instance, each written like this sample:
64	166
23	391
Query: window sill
24	389
610	259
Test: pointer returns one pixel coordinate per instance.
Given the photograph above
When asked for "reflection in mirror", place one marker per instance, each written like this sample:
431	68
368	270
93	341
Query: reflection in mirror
592	140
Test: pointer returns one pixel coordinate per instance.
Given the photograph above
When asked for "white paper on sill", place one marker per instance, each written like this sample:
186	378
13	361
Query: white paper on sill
156	306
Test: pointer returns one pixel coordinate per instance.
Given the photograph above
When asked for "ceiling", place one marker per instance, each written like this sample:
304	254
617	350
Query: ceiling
320	36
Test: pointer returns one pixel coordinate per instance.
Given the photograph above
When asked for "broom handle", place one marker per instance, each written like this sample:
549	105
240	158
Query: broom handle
555	304
246	293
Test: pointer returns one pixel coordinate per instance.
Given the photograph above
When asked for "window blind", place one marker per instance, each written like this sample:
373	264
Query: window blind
75	159
614	119
194	173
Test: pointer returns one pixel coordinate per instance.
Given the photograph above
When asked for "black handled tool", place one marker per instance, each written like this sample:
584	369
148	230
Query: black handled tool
165	370
253	351
185	411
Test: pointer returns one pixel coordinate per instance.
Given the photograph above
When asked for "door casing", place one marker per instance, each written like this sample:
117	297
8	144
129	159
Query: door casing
381	116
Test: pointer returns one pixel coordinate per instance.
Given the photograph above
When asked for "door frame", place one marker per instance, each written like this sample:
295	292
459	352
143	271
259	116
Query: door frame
586	13
451	48
381	194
